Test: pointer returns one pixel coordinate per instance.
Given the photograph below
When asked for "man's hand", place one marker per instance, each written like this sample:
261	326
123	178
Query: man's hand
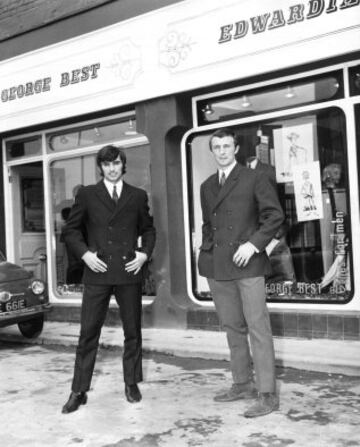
136	264
243	254
94	263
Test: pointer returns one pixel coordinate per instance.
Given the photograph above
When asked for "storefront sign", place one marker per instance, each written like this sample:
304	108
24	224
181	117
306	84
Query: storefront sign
182	47
279	18
44	85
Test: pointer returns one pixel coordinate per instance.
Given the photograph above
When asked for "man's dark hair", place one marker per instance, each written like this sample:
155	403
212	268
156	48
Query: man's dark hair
110	153
223	132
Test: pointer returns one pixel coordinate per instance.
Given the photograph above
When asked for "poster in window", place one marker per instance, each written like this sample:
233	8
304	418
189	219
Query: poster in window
294	145
308	195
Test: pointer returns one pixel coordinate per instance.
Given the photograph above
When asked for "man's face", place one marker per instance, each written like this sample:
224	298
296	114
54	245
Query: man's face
112	170
224	150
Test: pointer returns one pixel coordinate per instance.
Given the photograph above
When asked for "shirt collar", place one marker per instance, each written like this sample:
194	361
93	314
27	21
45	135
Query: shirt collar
227	170
110	186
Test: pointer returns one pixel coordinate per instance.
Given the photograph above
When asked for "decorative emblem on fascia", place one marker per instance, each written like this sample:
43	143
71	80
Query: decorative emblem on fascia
126	62
174	48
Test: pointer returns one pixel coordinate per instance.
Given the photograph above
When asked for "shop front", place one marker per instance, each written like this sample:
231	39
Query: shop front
285	78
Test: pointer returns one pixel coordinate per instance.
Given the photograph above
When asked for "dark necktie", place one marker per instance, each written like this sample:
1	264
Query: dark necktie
115	196
222	179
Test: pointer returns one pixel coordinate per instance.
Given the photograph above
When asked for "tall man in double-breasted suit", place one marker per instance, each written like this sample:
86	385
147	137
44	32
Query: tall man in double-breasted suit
241	214
114	215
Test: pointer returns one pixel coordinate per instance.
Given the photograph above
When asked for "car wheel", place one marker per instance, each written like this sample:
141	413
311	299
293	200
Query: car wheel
31	328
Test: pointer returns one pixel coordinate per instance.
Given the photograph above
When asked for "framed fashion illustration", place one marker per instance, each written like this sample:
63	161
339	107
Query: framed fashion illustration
308	194
294	145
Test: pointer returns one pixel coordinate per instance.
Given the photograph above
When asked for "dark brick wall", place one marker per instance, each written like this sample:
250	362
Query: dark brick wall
27	25
19	16
292	324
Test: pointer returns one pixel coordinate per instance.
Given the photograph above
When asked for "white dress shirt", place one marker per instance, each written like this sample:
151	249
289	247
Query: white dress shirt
227	170
110	187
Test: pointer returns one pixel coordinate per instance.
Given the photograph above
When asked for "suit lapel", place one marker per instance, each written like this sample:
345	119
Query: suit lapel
125	196
230	183
104	196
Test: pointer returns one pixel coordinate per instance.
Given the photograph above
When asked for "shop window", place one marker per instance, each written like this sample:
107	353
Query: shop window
270	98
67	175
311	256
354	78
92	135
25	147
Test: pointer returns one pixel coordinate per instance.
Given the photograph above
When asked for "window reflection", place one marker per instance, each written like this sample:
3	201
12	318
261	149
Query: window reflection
85	136
354	77
306	156
266	99
24	147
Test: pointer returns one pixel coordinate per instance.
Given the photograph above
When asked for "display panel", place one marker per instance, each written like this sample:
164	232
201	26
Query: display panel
306	155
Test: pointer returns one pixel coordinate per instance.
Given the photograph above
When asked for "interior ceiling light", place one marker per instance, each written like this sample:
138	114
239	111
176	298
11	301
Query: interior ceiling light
97	132
131	128
208	110
245	102
289	92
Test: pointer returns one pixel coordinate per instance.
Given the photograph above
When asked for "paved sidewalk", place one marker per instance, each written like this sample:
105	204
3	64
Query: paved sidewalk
332	356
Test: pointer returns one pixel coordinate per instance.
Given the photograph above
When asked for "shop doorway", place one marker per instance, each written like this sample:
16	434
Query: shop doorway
28	217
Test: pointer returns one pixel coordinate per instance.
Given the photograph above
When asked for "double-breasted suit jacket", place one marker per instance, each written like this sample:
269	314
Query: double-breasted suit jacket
245	209
111	230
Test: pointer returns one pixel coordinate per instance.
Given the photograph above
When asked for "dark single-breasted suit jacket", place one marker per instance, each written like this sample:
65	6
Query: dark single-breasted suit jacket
245	209
111	230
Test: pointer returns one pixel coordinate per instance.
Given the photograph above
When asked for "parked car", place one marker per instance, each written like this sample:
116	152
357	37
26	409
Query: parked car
23	299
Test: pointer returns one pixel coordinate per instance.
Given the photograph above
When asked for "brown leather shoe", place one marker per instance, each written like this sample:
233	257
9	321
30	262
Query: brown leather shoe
132	393
236	392
74	402
265	404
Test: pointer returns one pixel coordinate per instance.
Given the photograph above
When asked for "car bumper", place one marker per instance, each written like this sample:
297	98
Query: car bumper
16	316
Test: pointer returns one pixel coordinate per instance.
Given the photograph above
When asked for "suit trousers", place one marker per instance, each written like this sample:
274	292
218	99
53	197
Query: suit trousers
93	312
243	314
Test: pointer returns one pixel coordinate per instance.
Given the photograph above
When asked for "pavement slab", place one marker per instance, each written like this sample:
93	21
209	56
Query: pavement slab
317	409
333	356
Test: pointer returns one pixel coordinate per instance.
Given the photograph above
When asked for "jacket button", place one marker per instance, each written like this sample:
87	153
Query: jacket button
214	214
230	227
214	228
110	227
109	242
215	245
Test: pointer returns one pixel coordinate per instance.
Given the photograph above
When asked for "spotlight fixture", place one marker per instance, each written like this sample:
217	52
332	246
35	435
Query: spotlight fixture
289	92
245	102
357	80
97	132
208	110
131	128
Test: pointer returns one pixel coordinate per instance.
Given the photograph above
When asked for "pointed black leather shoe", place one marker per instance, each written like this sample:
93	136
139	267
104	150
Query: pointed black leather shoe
132	393
74	402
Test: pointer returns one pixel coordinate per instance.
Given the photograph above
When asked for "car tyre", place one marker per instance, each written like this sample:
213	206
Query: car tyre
31	328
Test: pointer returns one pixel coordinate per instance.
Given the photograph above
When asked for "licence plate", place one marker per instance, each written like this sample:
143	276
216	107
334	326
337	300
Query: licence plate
17	304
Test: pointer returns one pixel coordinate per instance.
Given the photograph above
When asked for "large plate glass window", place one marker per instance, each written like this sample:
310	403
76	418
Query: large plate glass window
284	95
306	154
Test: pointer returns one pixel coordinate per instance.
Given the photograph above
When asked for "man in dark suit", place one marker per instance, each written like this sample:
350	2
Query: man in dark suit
114	215
241	214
